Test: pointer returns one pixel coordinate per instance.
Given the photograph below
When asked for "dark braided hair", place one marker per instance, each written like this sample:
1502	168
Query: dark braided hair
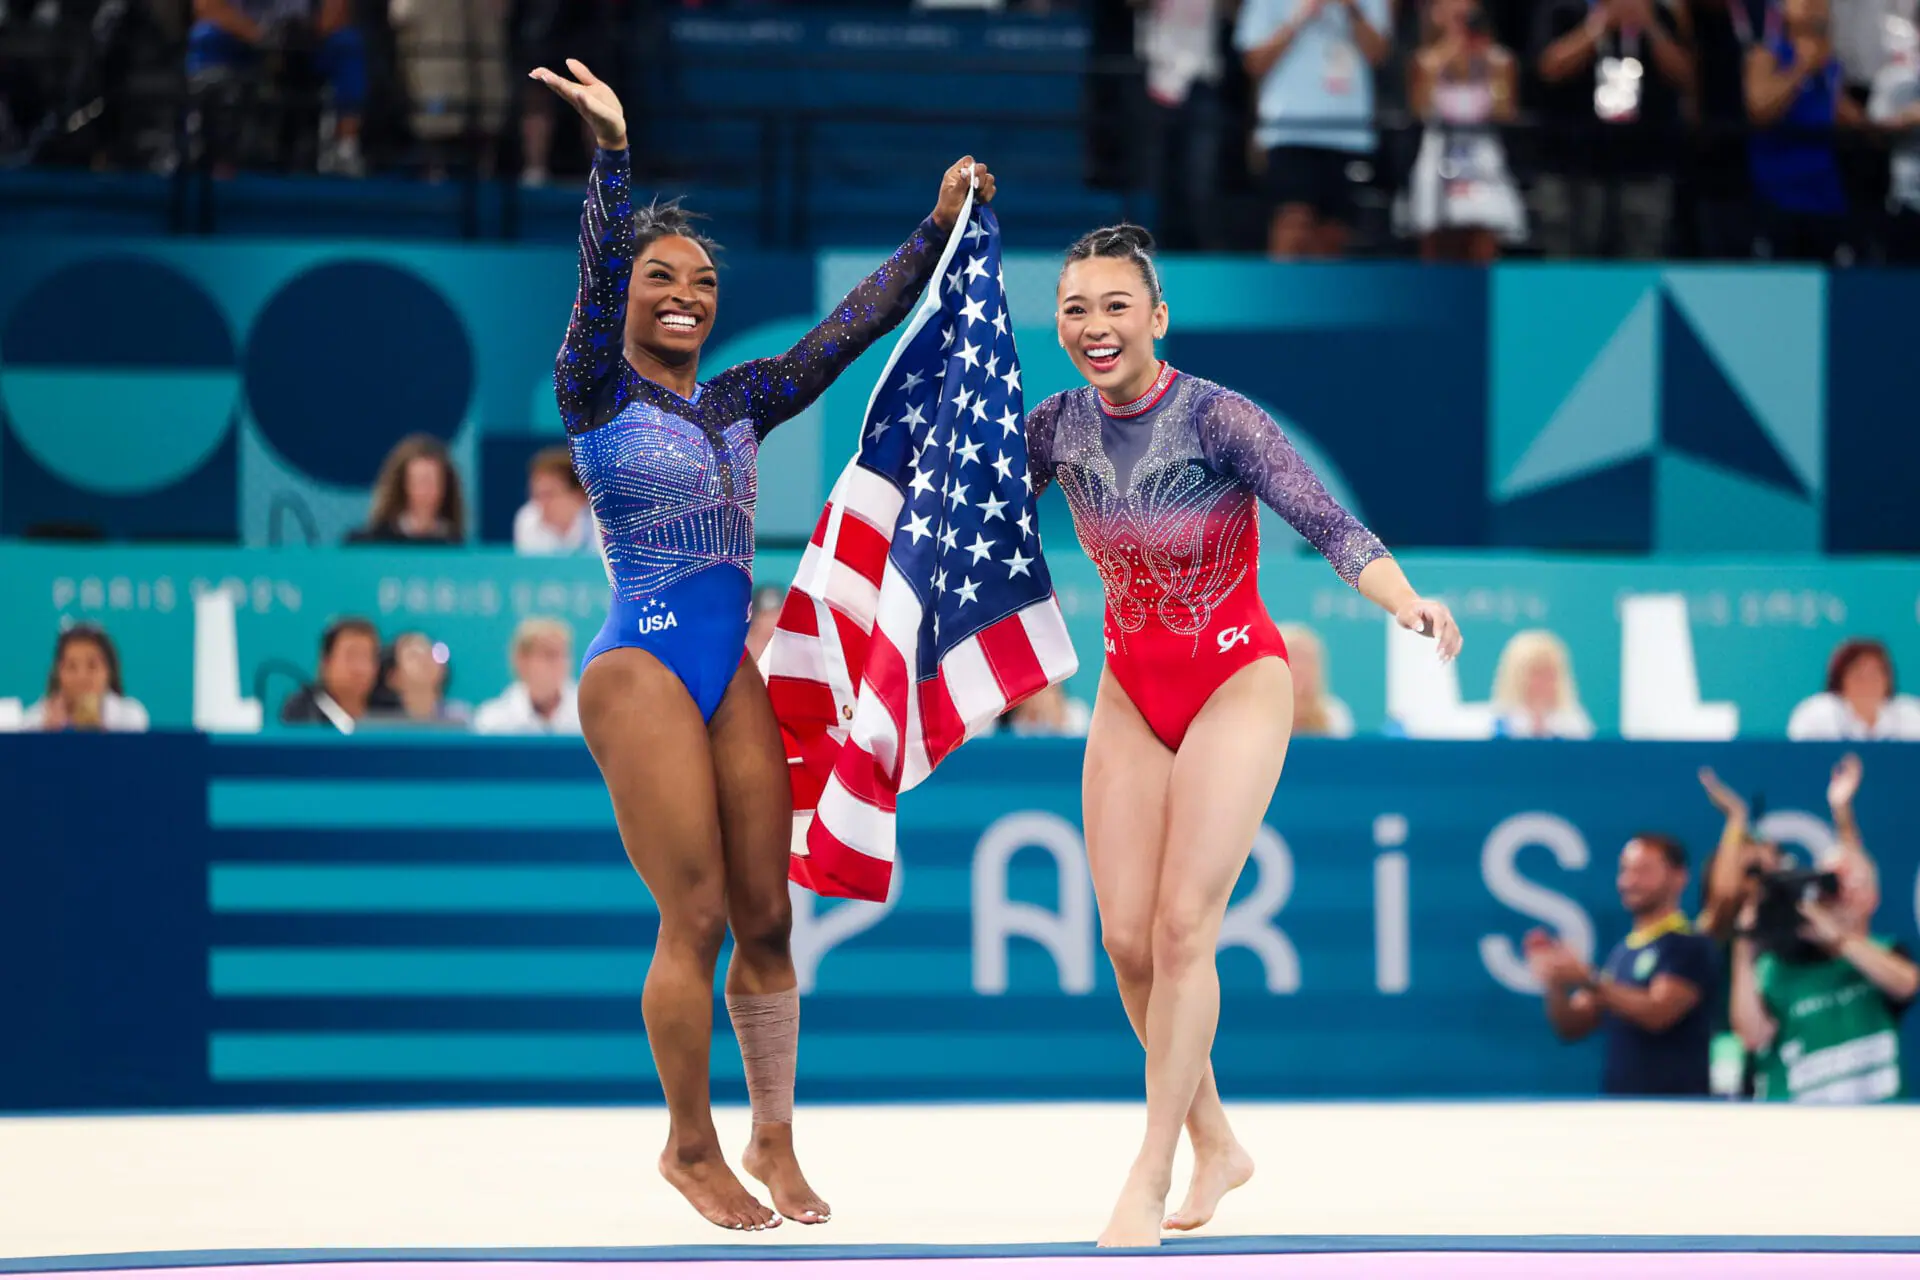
1123	241
660	219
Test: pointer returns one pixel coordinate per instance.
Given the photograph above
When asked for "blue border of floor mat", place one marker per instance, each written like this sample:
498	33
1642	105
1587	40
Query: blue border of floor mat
902	1252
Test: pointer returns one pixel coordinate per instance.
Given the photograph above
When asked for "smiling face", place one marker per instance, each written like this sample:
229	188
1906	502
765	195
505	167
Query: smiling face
1108	322
672	300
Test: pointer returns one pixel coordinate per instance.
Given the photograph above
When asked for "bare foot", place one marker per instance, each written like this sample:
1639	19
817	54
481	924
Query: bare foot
1214	1174
715	1193
1135	1223
770	1160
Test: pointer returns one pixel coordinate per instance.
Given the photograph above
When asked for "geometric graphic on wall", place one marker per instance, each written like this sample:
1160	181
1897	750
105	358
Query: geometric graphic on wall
1711	377
102	396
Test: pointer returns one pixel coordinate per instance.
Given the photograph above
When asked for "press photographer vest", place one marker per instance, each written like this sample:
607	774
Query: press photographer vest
1839	1040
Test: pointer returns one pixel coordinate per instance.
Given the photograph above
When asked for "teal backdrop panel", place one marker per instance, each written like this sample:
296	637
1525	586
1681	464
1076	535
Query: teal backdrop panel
1761	630
248	389
357	921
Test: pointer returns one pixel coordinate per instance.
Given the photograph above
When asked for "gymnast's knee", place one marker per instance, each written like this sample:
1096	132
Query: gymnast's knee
1130	948
697	924
1185	935
763	929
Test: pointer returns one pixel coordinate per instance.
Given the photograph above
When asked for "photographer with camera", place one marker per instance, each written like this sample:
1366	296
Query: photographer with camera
1816	997
1650	996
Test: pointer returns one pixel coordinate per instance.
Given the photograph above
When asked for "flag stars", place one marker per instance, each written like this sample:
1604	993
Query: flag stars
1009	422
922	481
993	507
970	356
919	527
976	269
969	452
968	591
975	311
1017	565
949	540
981	548
1002	466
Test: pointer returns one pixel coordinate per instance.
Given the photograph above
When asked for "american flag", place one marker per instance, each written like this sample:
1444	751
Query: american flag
922	610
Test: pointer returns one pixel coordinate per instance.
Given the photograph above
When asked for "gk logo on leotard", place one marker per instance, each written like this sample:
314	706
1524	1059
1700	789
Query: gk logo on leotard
1232	636
649	625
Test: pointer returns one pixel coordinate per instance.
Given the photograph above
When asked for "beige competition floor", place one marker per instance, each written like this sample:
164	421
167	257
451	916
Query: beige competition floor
947	1175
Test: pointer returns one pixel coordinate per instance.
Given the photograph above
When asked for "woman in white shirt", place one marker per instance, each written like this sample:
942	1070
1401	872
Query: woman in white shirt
1533	690
1860	704
1316	712
84	690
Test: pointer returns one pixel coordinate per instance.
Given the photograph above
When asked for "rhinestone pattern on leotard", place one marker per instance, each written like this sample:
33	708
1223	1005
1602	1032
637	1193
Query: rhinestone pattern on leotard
1163	502
673	480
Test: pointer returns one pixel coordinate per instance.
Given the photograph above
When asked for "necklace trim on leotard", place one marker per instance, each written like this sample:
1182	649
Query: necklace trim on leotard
1134	408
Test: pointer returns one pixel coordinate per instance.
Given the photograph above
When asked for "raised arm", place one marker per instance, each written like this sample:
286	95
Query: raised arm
594	353
1241	440
779	387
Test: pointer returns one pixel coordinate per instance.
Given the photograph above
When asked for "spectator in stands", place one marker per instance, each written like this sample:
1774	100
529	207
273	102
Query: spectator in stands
1313	61
412	687
1463	200
542	698
349	666
1822	1010
230	35
1795	100
416	498
1179	40
453	55
1533	690
1860	703
767	600
1614	74
556	519
547	33
1650	997
84	687
1316	712
1720	188
1895	107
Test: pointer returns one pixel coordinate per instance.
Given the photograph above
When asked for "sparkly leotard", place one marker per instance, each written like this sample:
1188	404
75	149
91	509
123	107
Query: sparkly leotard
1162	492
672	480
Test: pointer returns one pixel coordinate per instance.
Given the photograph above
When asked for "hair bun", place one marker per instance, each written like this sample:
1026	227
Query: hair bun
661	218
1122	239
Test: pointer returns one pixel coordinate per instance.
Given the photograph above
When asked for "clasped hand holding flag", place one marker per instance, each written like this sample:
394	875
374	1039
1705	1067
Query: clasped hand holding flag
922	610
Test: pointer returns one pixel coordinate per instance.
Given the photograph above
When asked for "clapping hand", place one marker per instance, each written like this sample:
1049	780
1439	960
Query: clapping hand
1845	783
1724	797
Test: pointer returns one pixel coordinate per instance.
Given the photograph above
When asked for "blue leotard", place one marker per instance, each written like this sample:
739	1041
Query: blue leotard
671	479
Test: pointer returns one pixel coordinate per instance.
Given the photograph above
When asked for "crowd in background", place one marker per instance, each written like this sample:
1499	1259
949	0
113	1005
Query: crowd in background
1636	128
1458	129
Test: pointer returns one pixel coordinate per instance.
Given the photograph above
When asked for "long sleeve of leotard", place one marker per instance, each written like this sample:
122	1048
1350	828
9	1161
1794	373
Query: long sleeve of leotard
587	372
779	387
1041	422
1241	440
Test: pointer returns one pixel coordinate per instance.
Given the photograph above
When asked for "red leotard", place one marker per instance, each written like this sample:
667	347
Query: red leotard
1163	495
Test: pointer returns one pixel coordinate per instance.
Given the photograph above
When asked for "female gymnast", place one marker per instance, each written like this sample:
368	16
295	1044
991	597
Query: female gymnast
1190	725
676	715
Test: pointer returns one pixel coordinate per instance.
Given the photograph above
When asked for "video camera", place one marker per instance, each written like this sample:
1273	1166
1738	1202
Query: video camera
1777	922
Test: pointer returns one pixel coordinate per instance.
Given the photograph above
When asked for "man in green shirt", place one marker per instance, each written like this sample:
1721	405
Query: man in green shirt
1825	1026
